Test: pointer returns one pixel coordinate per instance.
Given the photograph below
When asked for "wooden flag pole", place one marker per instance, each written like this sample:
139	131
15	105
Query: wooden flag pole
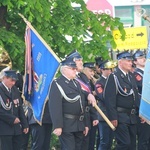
104	117
37	34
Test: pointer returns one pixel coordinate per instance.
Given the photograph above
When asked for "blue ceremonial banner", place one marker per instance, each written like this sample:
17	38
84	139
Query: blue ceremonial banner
144	111
40	68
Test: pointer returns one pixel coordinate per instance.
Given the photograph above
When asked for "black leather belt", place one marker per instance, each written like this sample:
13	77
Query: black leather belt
125	110
69	116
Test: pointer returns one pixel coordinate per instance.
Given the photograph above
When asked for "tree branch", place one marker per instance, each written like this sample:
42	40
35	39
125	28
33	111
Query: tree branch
3	13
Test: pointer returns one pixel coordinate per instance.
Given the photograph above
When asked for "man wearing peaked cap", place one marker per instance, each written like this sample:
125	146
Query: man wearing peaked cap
97	75
139	62
121	99
82	78
11	74
86	76
77	58
105	133
107	64
103	64
143	129
12	118
69	62
89	65
124	55
67	107
88	70
138	54
98	61
74	54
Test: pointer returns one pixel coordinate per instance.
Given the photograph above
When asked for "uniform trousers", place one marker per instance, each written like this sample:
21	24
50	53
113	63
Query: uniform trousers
71	140
143	135
41	136
8	142
125	135
92	134
106	136
149	144
85	143
25	140
97	139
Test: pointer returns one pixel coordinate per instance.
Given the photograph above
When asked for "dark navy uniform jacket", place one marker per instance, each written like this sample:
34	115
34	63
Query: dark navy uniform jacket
117	96
93	113
99	89
58	106
138	73
7	117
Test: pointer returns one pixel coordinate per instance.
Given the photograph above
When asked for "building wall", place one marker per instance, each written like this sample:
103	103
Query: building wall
127	11
130	17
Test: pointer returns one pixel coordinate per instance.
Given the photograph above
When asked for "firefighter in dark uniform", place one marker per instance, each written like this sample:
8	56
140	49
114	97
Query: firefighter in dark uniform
41	134
19	82
98	72
106	133
143	129
86	85
87	77
12	118
67	107
97	75
19	85
121	99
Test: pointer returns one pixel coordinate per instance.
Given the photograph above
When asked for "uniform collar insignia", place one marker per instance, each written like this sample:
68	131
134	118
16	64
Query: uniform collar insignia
122	75
67	81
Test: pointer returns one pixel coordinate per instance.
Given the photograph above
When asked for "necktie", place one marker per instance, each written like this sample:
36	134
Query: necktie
74	83
9	90
128	76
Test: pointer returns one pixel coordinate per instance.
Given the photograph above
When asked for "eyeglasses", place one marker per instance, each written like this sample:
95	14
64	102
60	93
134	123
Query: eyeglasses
78	59
71	68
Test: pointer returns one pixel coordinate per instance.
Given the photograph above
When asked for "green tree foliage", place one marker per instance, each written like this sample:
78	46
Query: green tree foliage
54	19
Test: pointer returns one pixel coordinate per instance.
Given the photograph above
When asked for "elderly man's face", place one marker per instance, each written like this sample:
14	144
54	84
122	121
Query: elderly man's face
89	72
79	64
125	64
9	82
69	72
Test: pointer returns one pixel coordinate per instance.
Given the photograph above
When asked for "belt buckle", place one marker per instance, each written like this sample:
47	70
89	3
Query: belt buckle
81	118
132	111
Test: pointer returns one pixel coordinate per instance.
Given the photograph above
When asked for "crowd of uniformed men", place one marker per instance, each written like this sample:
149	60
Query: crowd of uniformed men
70	113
